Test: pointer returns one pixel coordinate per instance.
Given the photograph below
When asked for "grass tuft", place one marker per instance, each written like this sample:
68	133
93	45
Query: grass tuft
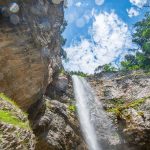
4	97
9	118
72	108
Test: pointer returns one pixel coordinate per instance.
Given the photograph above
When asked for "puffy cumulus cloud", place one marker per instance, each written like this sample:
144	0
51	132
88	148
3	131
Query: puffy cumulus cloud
132	12
139	3
99	2
110	37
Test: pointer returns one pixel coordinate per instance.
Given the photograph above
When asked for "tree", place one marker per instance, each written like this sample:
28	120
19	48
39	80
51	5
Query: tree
109	68
141	60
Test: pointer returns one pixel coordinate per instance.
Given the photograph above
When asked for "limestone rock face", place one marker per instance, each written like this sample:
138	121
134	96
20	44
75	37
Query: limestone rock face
126	98
57	128
61	89
61	83
25	69
57	1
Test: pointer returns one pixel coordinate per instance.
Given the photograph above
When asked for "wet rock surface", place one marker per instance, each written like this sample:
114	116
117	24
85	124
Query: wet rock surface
126	97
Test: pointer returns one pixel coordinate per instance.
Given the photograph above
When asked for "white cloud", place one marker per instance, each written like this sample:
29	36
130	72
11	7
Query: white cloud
99	2
110	37
132	12
78	4
138	3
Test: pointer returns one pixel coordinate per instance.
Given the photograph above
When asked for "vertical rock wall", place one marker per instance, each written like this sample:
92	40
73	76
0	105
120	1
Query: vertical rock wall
30	49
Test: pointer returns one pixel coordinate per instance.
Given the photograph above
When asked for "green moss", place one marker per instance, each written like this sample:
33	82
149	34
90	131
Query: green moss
141	113
72	108
120	106
4	97
9	118
62	72
117	101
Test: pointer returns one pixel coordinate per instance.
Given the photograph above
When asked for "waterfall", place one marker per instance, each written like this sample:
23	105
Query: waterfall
84	114
95	125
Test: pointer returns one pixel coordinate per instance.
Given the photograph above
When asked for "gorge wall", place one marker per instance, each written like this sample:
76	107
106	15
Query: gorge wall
30	50
126	99
30	62
31	75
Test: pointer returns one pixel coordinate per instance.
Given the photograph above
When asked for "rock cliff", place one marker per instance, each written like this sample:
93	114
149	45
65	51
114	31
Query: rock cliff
30	49
30	62
30	74
126	99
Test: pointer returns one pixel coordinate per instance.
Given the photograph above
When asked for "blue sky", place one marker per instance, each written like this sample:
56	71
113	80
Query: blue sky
99	32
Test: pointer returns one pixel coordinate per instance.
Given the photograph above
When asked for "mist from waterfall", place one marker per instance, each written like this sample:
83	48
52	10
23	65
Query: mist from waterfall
96	126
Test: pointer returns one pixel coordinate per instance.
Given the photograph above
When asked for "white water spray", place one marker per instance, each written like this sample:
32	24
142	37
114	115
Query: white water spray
96	126
84	114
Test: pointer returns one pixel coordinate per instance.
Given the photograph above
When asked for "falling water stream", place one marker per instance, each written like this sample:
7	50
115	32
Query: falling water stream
84	114
94	122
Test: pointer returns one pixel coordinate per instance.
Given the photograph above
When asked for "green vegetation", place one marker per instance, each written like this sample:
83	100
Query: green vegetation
62	72
120	105
106	68
79	73
9	118
72	108
109	68
141	60
4	97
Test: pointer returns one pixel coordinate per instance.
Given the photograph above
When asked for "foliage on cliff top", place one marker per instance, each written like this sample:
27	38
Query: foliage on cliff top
141	60
79	73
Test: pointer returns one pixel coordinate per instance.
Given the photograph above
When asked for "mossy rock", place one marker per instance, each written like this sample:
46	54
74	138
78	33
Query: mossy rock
15	131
